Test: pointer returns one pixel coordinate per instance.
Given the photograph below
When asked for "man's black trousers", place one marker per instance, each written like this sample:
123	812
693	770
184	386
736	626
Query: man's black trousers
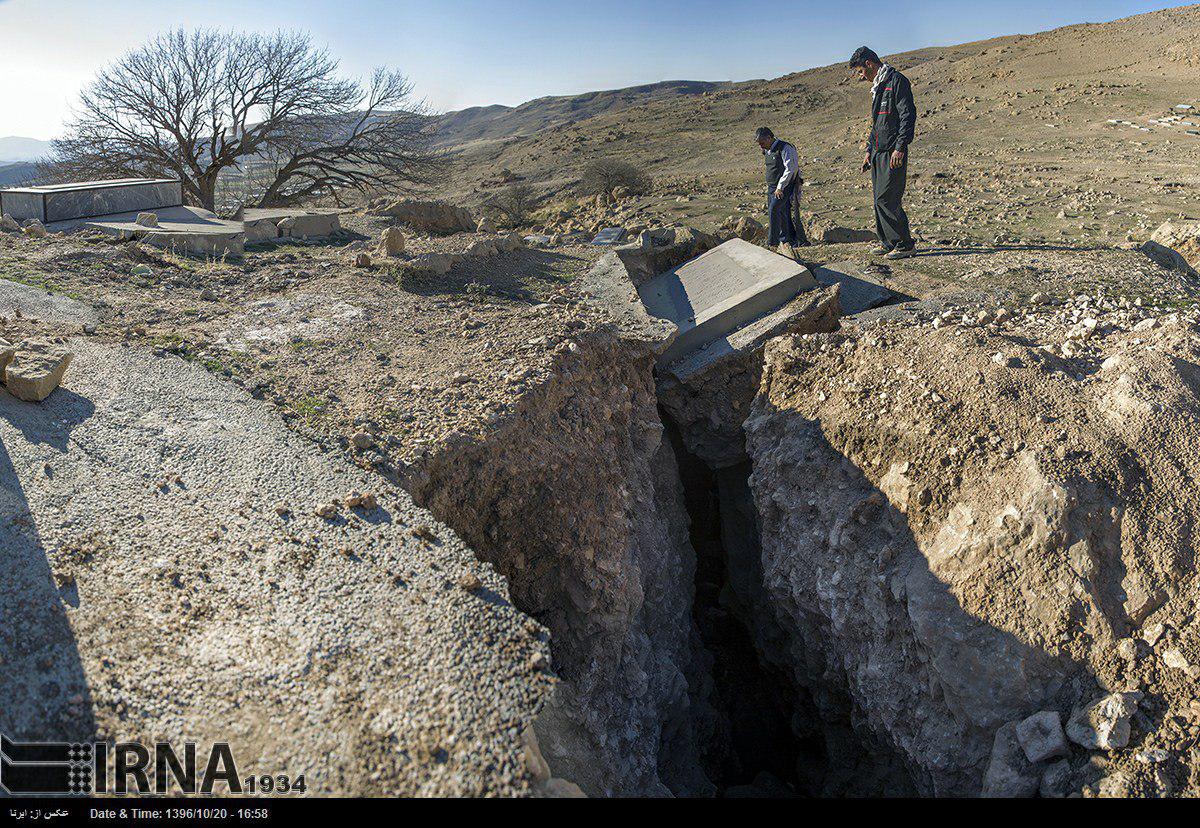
891	222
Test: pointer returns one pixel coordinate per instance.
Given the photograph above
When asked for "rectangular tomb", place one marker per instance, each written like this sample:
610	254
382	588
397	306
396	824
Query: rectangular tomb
720	291
65	202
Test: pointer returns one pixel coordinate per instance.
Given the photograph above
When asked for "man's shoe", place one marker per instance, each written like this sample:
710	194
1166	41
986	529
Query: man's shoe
901	253
880	250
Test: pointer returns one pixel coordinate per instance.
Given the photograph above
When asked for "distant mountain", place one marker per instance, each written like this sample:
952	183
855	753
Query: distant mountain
14	149
14	175
500	122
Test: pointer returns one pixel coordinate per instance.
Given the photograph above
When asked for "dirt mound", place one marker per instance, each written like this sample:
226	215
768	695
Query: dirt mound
436	217
969	521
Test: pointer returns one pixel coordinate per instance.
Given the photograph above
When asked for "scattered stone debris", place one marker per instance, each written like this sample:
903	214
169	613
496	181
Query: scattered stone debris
360	500
327	510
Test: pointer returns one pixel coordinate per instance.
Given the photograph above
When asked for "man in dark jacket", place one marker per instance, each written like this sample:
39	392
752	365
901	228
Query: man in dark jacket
783	188
893	122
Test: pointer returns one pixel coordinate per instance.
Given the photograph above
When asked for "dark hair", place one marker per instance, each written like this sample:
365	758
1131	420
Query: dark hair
763	132
861	56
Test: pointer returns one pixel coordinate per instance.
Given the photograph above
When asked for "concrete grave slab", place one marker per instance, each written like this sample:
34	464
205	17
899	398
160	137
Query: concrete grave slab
609	236
860	291
720	291
181	229
65	202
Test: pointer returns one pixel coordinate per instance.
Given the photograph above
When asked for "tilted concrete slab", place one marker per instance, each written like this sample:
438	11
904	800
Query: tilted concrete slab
859	290
720	291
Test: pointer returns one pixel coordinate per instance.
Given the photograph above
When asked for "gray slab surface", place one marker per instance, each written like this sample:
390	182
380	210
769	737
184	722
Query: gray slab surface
64	202
720	291
609	236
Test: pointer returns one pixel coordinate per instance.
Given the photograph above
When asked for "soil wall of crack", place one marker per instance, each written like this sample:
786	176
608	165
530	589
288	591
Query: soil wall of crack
577	499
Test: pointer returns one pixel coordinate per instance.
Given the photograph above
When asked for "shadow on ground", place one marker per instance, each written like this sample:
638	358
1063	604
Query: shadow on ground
42	684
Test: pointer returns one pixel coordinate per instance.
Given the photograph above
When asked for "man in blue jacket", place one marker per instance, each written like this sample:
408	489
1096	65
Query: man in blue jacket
893	122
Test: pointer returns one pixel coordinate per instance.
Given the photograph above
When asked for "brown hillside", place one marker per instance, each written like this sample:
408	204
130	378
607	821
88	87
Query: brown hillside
1014	136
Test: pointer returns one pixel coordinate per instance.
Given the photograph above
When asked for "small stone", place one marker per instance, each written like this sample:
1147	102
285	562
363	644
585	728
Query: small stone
1104	723
1009	772
327	511
1175	659
1041	736
35	229
363	259
485	225
469	582
1152	633
146	220
9	224
35	369
1127	649
360	500
282	509
538	661
1056	780
362	440
391	242
1115	786
1039	299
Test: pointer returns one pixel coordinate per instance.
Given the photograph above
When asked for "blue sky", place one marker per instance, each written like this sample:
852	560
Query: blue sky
471	52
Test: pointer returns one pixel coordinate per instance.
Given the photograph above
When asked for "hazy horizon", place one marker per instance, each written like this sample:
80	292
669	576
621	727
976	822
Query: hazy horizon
497	53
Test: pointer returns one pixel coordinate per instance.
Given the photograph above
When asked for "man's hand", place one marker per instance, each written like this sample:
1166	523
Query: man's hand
897	160
866	162
778	194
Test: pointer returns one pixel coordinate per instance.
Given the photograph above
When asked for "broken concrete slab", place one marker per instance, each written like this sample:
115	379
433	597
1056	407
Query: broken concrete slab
35	369
189	230
286	221
709	392
860	291
720	291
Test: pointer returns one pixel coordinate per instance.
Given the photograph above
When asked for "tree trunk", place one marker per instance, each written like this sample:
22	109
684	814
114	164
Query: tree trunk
207	186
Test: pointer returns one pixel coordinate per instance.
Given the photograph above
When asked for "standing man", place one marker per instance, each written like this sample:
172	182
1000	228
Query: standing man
783	185
893	122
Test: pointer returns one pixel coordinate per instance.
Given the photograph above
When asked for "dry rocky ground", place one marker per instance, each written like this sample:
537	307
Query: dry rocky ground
948	546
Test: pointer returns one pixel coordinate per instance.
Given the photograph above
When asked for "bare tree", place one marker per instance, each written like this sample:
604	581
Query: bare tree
607	174
512	205
271	110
